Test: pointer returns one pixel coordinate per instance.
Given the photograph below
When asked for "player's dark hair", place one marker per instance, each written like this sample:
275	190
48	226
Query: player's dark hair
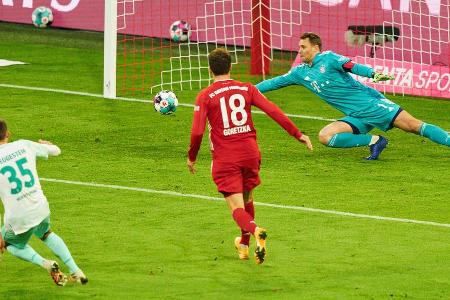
313	38
3	129
219	61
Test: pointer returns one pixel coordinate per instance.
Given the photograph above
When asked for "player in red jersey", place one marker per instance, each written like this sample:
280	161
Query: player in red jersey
226	105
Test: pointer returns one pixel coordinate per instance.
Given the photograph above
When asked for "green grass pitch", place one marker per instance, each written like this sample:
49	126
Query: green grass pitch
140	245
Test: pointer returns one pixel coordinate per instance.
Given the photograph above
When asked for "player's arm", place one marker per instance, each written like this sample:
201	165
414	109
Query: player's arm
276	82
198	128
365	71
345	64
44	149
52	150
278	116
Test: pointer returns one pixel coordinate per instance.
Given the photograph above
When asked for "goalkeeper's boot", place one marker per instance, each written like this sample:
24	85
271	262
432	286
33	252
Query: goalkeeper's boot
377	148
241	248
53	268
78	277
260	251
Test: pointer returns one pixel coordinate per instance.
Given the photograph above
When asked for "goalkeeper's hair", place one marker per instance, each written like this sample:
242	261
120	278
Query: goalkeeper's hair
313	38
219	61
3	129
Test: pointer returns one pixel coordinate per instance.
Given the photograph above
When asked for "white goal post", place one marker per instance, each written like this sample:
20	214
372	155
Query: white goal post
110	50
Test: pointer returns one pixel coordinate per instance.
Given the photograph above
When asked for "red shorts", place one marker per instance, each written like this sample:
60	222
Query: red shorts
236	177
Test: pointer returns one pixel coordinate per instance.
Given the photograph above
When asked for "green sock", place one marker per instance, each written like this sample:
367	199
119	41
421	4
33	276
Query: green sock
434	133
349	140
27	253
57	245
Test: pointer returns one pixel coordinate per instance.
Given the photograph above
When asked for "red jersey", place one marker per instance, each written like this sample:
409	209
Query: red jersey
226	105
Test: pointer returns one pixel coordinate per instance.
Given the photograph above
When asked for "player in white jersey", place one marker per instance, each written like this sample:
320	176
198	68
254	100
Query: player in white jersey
26	207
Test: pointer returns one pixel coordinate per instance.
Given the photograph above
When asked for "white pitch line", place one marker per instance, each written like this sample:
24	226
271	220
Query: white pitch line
21	87
291	207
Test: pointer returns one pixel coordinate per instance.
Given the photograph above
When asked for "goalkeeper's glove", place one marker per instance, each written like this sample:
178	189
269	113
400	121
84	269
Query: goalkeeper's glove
377	77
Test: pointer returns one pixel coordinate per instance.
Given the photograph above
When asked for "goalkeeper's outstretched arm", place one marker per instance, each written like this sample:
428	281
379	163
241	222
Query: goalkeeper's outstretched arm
276	83
365	71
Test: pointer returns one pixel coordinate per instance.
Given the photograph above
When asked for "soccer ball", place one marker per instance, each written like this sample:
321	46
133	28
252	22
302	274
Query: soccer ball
180	31
42	17
165	102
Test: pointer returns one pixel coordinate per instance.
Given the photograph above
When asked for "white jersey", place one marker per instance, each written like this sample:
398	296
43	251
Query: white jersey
20	190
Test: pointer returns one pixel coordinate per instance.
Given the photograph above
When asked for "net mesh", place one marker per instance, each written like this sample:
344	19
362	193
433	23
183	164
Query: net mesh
407	38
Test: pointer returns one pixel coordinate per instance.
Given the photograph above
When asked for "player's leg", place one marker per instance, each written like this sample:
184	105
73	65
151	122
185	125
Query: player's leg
18	246
59	248
249	208
352	132
228	178
242	242
250	175
346	134
235	202
229	181
408	123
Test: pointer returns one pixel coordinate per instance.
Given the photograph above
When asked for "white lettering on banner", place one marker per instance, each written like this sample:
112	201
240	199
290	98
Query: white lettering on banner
441	81
25	3
386	4
422	74
447	85
405	5
54	4
434	6
330	2
431	79
399	72
65	8
406	78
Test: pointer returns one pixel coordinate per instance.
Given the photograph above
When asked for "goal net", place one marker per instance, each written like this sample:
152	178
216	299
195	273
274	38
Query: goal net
406	38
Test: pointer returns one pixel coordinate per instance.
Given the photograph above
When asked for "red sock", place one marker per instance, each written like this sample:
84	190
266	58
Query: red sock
244	220
245	235
250	209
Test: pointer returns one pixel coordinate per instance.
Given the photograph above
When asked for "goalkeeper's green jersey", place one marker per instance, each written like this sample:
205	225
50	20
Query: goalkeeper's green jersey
326	78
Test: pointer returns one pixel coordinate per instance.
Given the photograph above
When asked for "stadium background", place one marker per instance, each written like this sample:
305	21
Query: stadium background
419	58
142	227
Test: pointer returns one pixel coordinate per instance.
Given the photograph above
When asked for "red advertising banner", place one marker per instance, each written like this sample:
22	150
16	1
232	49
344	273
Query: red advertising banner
76	14
410	78
413	35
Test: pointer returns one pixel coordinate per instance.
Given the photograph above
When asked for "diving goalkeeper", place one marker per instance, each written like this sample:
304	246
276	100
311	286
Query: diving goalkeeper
326	74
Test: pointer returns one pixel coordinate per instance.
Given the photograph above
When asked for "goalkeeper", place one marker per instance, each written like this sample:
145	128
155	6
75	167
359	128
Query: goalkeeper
326	74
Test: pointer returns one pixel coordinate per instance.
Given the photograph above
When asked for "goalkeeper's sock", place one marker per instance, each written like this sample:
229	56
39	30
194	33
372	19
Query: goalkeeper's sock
57	245
349	140
244	220
435	133
374	139
27	253
250	209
